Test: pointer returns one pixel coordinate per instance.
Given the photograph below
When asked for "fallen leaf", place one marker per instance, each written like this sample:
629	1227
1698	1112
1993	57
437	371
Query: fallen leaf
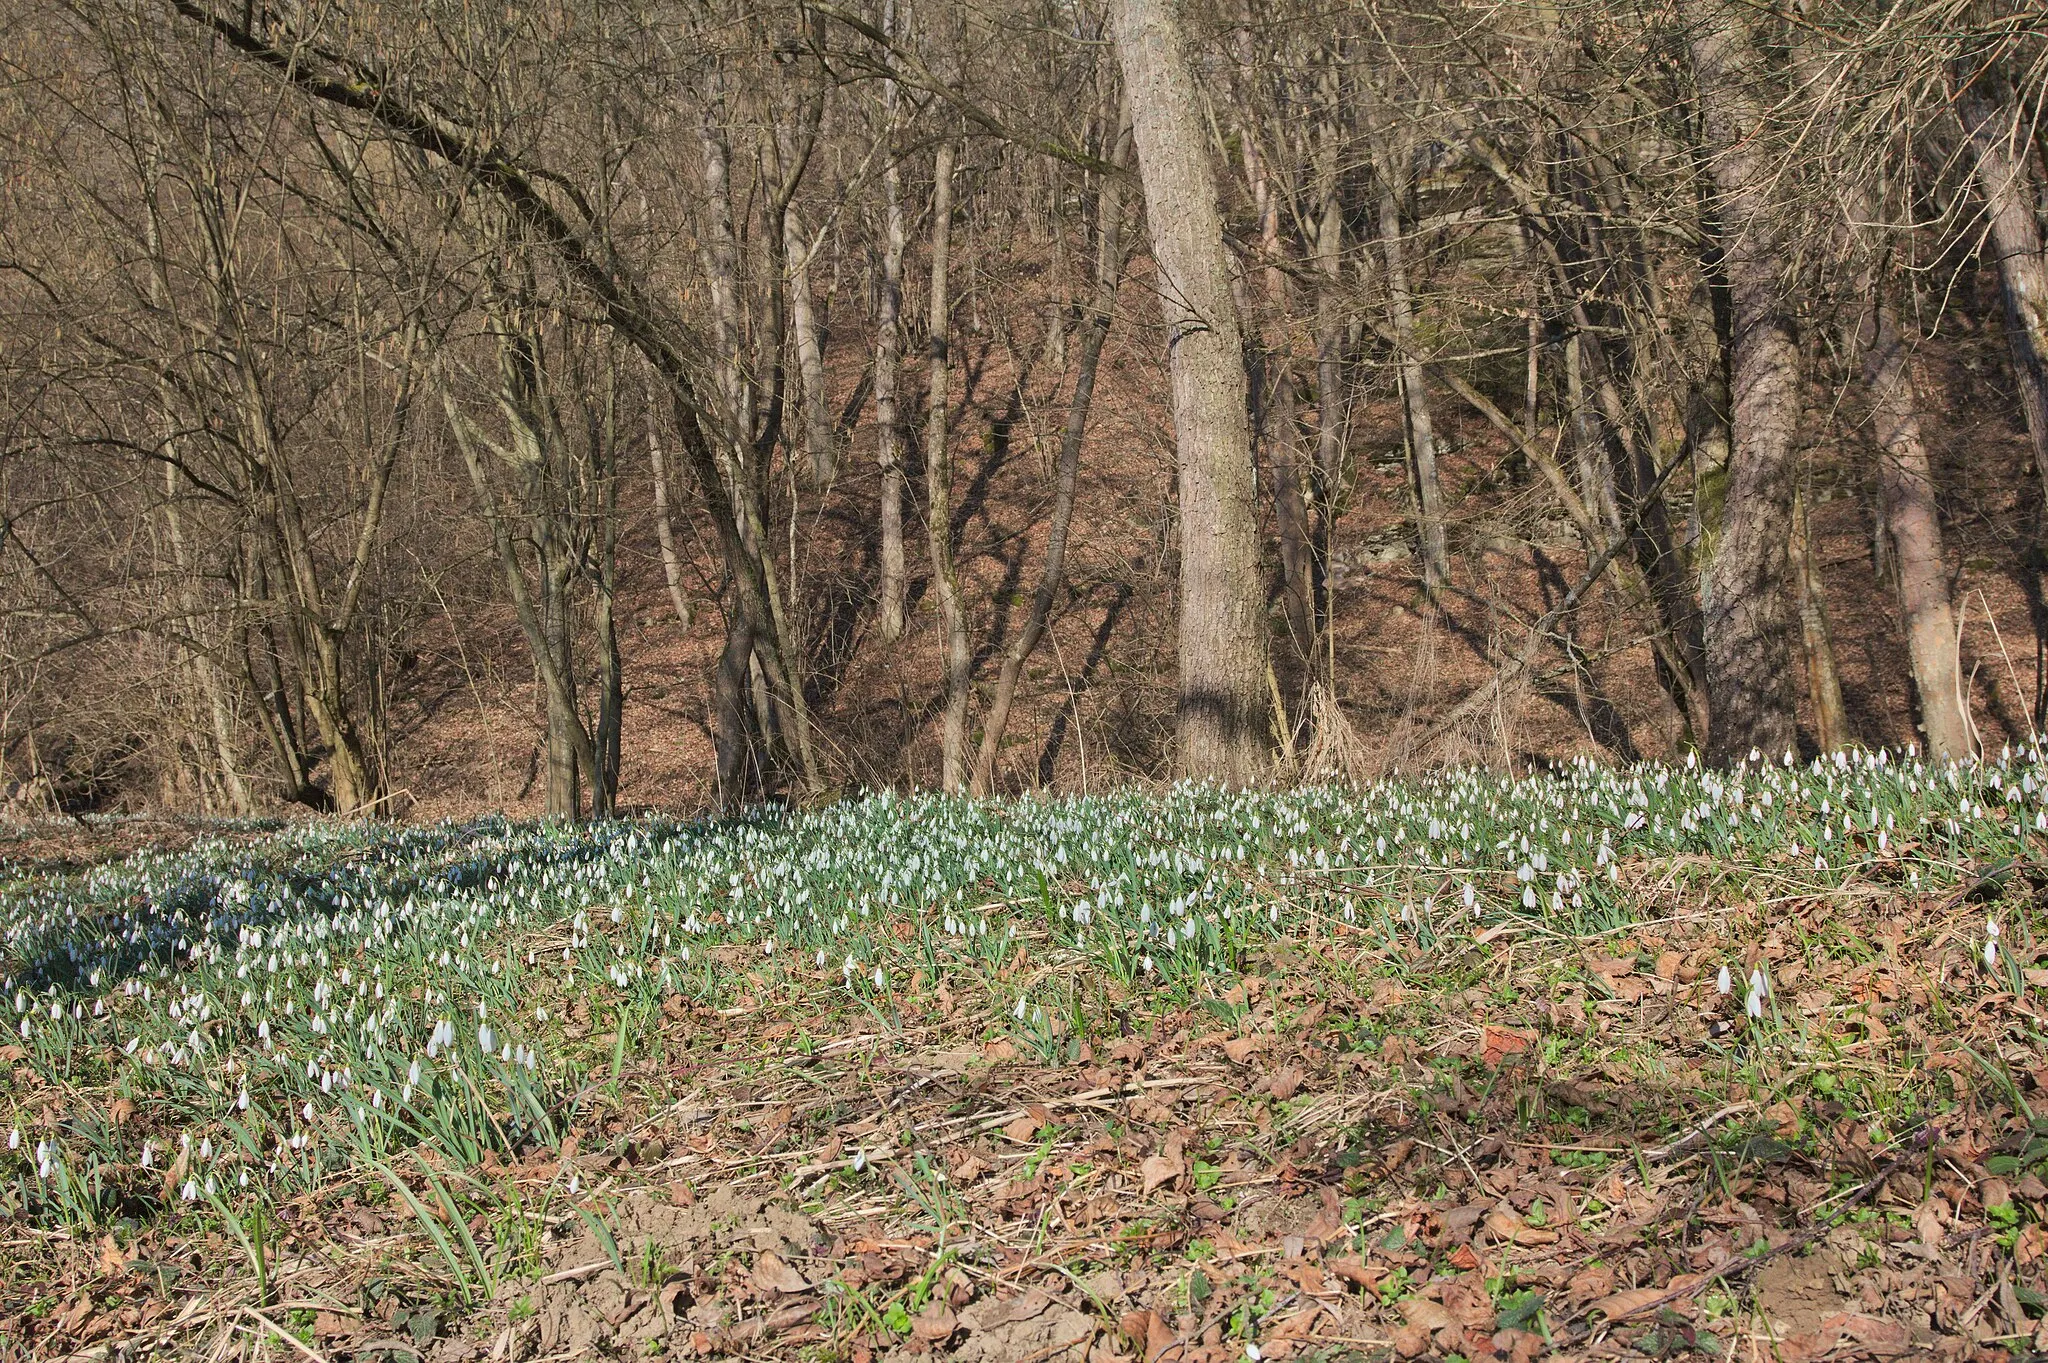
120	1110
936	1324
1022	1128
1357	1272
1508	1225
1498	1043
772	1274
1622	1304
1430	1315
1240	1049
1411	1341
1285	1084
1157	1171
1150	1334
114	1260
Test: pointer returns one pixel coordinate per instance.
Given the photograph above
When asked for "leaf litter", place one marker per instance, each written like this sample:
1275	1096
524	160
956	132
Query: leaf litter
1524	1142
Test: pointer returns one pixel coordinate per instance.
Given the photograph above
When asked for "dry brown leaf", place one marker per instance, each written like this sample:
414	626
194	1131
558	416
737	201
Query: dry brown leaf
1153	1336
1158	1171
772	1274
114	1260
1243	1048
1430	1315
1505	1222
1498	1043
1357	1272
936	1324
1621	1304
1285	1084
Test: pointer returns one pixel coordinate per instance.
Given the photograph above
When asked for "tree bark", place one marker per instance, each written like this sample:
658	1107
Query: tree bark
1223	726
1422	451
888	361
1906	484
810	356
664	527
938	484
1823	679
2005	180
1390	169
1747	632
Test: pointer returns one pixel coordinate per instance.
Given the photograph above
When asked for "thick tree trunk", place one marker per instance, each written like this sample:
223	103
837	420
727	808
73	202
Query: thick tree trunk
2006	181
938	485
1223	644
1109	259
1748	632
888	361
1906	483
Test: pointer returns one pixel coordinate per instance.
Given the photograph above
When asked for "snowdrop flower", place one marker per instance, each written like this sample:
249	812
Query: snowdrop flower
1724	982
1990	953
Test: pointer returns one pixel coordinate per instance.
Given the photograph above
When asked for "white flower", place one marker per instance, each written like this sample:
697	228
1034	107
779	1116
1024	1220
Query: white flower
1724	982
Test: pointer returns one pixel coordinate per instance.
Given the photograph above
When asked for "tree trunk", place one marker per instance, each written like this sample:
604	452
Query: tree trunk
810	356
1823	680
1906	485
888	359
938	485
664	528
1109	259
1422	451
609	740
1278	426
1332	391
1223	647
1747	632
2005	180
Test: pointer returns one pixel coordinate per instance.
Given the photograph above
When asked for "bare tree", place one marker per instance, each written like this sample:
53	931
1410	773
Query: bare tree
1747	630
1223	638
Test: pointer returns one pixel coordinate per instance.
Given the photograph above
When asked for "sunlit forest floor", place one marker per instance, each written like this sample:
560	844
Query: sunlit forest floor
1616	1062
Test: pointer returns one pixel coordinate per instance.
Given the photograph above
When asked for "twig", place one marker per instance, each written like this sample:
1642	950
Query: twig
287	1336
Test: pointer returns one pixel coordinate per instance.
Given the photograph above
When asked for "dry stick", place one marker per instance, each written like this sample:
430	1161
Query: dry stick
287	1336
2032	736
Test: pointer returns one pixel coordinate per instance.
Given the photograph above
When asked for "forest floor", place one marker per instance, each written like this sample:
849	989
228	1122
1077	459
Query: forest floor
1532	1137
